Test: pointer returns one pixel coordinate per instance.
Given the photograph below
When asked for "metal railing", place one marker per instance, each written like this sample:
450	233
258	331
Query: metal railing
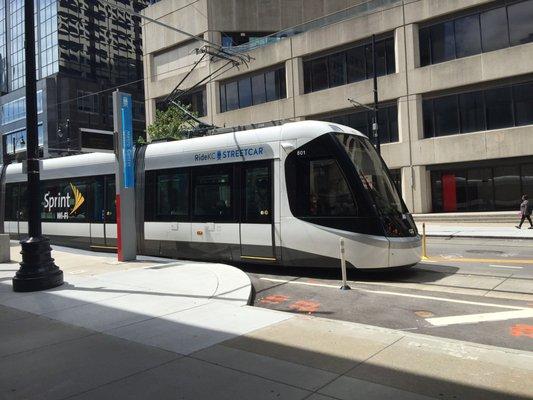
359	10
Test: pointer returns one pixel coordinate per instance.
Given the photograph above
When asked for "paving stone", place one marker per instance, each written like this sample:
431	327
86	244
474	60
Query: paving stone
68	368
32	332
124	310
347	388
12	314
448	369
330	345
267	367
191	330
187	378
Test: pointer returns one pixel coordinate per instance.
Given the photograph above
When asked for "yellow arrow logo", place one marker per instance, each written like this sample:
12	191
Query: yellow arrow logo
78	198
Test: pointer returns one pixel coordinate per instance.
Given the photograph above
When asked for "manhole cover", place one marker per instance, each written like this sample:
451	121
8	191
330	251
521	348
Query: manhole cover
485	252
424	314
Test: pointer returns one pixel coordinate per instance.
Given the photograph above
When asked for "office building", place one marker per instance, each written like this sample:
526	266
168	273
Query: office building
455	83
83	49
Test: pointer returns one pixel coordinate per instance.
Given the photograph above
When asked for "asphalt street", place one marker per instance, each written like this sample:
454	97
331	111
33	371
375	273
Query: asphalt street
479	290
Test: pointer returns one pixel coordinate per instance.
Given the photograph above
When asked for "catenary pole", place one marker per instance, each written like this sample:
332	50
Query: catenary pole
37	270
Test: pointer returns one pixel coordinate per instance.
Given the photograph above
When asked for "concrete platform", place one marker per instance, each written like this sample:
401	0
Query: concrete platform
171	329
477	230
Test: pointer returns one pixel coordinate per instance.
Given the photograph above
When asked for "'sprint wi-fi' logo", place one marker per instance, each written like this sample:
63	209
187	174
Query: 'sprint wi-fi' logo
78	198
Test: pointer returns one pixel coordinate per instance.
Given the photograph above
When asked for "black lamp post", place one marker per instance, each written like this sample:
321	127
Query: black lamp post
37	270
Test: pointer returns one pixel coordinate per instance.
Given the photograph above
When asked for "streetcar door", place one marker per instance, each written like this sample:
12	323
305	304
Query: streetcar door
103	227
110	212
256	228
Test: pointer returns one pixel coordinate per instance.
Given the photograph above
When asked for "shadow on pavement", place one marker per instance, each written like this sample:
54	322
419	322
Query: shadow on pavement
415	274
166	358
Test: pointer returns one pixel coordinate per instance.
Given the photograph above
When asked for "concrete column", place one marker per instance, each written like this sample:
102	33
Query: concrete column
416	119
416	189
403	119
292	80
213	100
298	71
412	46
399	46
149	105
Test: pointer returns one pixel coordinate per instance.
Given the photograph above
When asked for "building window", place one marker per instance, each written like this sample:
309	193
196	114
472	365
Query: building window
483	31
88	102
253	89
362	122
15	142
349	66
481	187
231	39
494	108
16	110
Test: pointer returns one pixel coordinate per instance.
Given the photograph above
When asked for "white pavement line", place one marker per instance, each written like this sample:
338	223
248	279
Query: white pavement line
415	296
504	266
474	318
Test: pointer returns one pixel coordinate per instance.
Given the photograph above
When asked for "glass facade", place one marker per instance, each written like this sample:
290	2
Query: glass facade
253	89
100	41
16	34
497	28
481	188
493	108
362	122
347	66
16	110
48	44
3	48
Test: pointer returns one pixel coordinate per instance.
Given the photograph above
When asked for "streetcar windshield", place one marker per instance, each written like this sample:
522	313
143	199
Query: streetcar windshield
373	173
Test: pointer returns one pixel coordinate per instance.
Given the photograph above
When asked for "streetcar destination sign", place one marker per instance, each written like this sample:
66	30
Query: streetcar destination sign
229	154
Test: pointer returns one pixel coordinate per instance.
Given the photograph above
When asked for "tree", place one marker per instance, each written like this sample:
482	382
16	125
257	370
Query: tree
170	123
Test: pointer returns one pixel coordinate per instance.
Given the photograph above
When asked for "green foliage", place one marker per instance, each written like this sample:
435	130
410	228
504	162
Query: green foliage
171	123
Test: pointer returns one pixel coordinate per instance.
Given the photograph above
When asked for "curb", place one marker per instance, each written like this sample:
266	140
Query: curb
476	236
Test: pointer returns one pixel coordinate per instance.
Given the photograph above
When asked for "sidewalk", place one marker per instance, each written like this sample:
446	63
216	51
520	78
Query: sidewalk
164	329
477	230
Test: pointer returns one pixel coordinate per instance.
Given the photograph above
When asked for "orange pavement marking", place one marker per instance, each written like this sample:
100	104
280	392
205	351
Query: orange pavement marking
305	306
274	299
522	330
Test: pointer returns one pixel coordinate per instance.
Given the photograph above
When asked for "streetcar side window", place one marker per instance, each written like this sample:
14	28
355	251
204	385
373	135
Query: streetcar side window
12	202
172	195
212	193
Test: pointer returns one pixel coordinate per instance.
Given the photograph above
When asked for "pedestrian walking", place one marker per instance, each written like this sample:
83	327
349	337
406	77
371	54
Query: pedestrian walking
525	212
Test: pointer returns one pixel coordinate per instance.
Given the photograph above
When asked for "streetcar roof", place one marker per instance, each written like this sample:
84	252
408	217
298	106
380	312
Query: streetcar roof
157	154
89	164
289	131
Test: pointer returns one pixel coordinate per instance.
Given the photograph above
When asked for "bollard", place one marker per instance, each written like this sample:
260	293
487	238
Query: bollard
343	267
424	250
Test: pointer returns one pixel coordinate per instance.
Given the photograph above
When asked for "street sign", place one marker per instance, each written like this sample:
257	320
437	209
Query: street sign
127	139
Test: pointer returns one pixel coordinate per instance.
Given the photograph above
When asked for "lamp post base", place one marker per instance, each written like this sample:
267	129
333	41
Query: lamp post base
37	270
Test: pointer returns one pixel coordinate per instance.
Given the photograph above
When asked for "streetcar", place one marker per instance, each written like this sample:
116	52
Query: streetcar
283	195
